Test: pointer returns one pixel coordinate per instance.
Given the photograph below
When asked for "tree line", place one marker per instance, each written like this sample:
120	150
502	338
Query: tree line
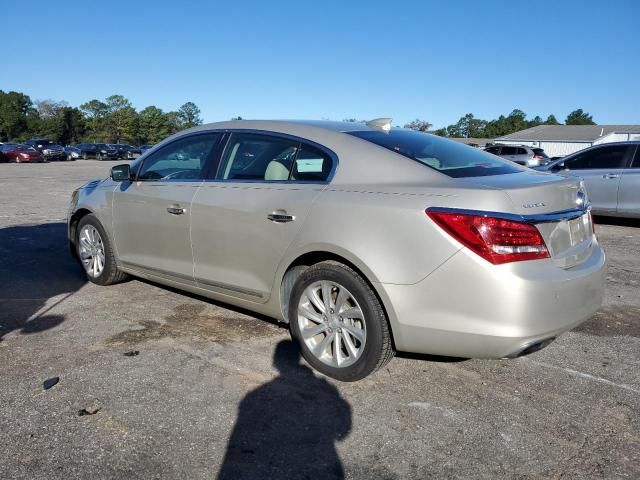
471	127
112	120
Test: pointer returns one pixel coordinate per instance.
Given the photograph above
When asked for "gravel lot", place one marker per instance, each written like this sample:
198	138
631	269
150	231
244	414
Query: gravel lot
213	386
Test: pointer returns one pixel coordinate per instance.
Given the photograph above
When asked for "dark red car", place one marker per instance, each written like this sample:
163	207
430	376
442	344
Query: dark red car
18	153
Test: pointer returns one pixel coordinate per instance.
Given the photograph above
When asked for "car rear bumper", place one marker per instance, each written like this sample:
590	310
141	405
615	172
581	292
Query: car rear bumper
470	308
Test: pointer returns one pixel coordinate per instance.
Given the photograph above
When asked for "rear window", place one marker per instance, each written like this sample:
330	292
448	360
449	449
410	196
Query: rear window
448	157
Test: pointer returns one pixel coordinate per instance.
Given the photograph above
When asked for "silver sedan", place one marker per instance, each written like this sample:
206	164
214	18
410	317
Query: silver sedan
366	239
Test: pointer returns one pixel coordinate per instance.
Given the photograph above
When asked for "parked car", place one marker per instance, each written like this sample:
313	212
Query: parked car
105	152
87	150
134	152
365	238
523	155
21	153
48	148
72	153
99	151
122	149
3	146
611	173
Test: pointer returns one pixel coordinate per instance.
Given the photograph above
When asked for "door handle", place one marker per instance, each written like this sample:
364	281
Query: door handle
610	176
281	216
176	210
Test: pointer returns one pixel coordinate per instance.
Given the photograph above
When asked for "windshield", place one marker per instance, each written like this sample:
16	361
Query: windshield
448	157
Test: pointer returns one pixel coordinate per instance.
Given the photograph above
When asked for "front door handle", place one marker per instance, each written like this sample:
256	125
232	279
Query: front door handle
610	176
281	216
176	210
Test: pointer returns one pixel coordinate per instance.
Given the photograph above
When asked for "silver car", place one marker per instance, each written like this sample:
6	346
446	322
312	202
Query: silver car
521	154
366	239
611	173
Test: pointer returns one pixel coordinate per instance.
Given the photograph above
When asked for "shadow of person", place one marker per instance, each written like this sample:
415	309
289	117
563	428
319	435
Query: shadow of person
287	428
35	266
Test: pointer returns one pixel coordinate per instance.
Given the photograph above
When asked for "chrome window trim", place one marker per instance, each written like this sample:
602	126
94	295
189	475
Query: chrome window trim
534	218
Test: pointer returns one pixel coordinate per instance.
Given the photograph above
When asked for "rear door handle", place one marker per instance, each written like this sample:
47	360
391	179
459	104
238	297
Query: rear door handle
610	176
176	210
281	216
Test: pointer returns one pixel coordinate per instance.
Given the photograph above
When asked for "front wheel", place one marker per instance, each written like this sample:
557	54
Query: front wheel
339	322
96	253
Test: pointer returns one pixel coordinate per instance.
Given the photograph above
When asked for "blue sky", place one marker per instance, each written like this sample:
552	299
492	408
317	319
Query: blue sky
331	59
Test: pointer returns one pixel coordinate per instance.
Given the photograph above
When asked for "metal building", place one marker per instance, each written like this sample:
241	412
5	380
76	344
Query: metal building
560	140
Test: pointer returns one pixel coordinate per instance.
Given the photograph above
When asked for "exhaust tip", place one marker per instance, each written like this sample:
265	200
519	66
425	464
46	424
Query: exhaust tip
531	348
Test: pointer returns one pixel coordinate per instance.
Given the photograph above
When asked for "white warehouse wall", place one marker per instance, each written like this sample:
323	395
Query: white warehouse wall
617	137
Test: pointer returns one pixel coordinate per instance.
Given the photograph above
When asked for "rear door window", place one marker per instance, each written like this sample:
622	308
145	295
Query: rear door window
311	165
508	151
521	151
599	158
258	157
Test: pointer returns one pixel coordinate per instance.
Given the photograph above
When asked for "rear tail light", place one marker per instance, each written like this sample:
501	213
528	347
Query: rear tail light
497	240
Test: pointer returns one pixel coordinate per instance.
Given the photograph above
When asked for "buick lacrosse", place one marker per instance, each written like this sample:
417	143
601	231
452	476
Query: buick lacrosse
366	239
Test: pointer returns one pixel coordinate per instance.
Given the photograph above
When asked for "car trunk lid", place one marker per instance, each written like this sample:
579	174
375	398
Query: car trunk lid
555	204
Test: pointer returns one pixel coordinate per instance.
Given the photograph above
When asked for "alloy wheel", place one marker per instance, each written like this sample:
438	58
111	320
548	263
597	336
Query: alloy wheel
91	250
332	324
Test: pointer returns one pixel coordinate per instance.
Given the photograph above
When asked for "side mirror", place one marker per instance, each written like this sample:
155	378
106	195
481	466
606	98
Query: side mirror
557	167
121	173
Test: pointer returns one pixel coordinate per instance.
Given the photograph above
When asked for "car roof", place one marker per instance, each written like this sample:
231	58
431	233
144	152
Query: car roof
280	125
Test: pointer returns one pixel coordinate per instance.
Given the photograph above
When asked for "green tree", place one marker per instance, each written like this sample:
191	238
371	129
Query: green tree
14	107
119	118
72	126
467	127
154	125
419	125
189	115
96	113
579	117
551	120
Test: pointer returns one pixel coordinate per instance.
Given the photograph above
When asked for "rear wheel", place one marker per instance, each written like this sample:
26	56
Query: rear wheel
96	253
339	322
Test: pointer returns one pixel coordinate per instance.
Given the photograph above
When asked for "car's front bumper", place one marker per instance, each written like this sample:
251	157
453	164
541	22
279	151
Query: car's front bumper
473	309
55	156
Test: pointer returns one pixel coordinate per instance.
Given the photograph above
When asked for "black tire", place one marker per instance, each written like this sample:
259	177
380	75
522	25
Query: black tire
378	349
110	274
84	155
